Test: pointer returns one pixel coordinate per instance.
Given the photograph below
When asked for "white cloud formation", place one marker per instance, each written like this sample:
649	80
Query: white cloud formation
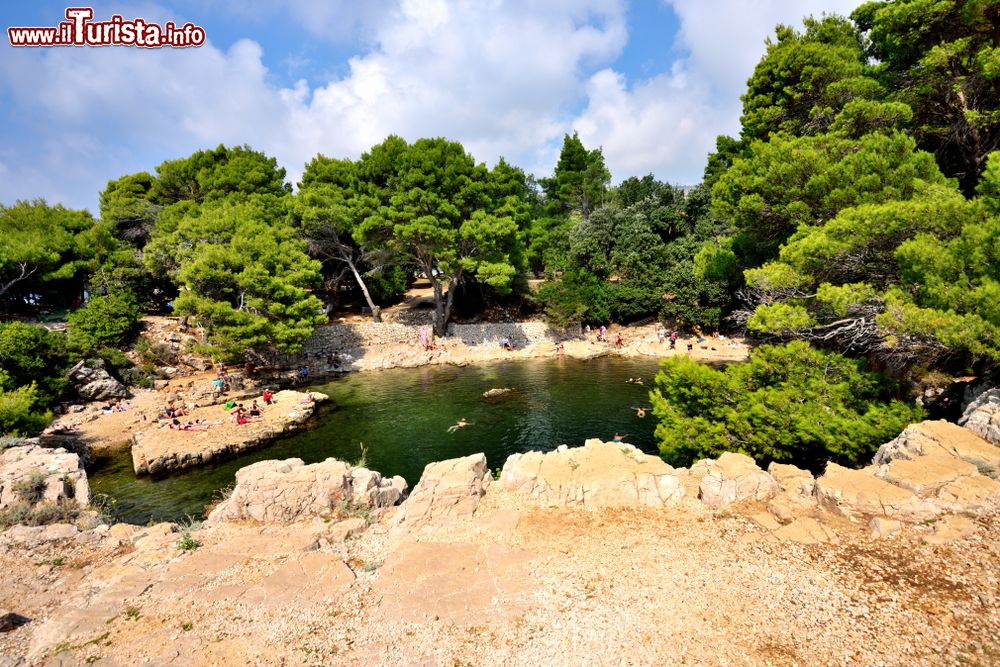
667	124
500	77
504	78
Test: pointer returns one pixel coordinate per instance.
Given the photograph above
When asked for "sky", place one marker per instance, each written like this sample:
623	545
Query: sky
651	82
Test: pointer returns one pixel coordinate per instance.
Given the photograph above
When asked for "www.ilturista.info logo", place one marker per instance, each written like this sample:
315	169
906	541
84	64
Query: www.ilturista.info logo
80	30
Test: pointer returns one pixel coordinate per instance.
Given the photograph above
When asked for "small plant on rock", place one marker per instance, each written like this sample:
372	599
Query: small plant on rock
32	488
187	542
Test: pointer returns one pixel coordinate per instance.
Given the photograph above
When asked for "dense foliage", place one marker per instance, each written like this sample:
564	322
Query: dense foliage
33	363
858	208
790	403
852	190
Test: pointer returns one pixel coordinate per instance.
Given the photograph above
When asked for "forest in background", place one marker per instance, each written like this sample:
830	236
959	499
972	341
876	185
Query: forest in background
858	211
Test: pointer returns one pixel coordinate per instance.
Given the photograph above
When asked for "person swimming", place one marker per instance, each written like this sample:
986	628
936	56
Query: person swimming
640	411
461	423
618	437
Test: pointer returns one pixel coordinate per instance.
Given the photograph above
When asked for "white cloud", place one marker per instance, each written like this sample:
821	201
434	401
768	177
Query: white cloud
504	78
668	124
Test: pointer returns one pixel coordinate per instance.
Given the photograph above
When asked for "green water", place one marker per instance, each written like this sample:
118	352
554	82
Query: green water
402	416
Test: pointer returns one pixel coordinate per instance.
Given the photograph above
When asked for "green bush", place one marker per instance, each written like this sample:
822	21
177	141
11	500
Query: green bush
789	403
33	354
576	297
106	321
23	412
630	300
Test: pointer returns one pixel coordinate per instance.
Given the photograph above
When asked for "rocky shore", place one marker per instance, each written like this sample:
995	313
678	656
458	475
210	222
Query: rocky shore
213	436
596	555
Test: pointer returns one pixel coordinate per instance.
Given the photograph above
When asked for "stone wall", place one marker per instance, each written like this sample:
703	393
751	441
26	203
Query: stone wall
336	338
521	333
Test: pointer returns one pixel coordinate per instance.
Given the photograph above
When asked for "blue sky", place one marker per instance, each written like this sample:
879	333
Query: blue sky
652	82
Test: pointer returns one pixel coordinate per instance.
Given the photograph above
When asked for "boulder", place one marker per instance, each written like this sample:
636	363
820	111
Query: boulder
93	383
36	474
496	391
982	416
734	477
599	474
854	493
283	491
447	491
791	479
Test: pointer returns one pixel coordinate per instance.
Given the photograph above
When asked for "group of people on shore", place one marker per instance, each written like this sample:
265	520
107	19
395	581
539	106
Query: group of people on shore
116	406
239	414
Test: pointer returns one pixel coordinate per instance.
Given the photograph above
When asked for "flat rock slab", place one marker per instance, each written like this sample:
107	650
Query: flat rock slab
457	583
161	450
940	437
599	474
268	571
860	492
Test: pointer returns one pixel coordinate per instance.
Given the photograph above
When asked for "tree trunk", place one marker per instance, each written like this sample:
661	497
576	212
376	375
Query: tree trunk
440	322
376	311
452	284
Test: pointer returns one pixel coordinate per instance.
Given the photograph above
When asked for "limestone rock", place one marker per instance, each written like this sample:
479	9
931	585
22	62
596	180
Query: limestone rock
861	493
159	450
95	383
497	391
792	479
447	491
341	530
880	527
282	491
932	437
951	529
952	484
734	477
599	474
805	530
59	475
982	416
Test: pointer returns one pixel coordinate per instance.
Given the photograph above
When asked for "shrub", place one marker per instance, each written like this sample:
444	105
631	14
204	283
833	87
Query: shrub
789	403
22	411
22	513
577	296
33	354
32	488
187	542
106	321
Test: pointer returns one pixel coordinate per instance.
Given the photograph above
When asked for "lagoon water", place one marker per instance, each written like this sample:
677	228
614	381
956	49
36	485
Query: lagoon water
402	417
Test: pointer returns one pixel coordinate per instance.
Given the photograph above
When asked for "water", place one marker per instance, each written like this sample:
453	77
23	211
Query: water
402	417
